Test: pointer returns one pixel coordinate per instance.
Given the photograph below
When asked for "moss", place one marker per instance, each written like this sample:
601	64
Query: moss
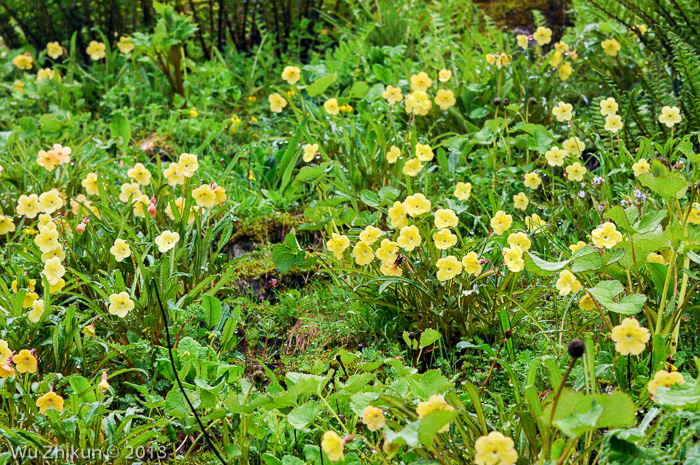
264	229
256	264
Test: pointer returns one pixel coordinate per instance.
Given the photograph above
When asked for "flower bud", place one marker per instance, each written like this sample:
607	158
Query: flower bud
576	348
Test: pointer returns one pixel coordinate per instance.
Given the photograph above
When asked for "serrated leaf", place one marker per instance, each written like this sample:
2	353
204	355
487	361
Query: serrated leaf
432	424
428	337
605	291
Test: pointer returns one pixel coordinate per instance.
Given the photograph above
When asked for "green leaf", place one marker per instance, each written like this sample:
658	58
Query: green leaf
546	266
429	383
605	291
369	198
120	129
618	411
212	310
685	396
672	186
320	85
578	423
407	436
428	337
432	423
359	89
310	174
301	416
359	401
288	254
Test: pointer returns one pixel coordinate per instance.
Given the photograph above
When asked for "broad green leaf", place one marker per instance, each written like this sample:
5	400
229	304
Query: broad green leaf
605	291
301	416
212	310
576	424
320	85
288	253
672	186
428	337
432	424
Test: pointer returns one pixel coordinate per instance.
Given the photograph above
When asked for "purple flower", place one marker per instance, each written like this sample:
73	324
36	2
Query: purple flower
581	195
598	180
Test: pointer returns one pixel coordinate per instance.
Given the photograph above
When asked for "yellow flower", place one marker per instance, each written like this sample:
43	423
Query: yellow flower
310	152
345	108
424	152
561	47
694	216
23	61
642	28
608	107
418	103
167	240
277	102
471	264
53	253
89	330
337	244
6	225
664	378
434	404
331	106
363	254
140	174
53	270
18	86
373	417
220	194
392	94
120	304
501	222
28	205
586	303
6	371
574	146
387	252
130	190
656	258
613	123
50	201
25	362
204	196
54	50
103	386
173	176
370	235
567	283
125	45
606	236
96	50
629	337
565	71
521	201
37	310
412	167
47	239
409	238
416	205
58	287
29	299
120	250
641	167
611	47
444	75
555	156
5	352
556	59
445	218
463	190
393	155
563	111
444	239
578	245
291	74
193	113
90	184
48	400
575	172
522	41
421	82
670	116
513	256
31	282
543	36
445	99
397	214
519	240
332	444
503	59
495	449
490	58
141	205
532	180
44	74
448	268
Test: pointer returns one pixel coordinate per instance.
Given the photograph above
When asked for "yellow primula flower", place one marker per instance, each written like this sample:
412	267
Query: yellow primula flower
555	156
23	61
434	404
393	154
424	152
630	338
445	99
543	36
332	445
613	123
412	167
28	206
54	50
5	352
392	95
53	270
167	240
277	102
565	71
575	172
573	146
471	264
90	184
37	310
128	190
140	174
670	116
125	45
445	218
578	245
519	239
606	236
513	257
409	238
331	106
495	449
656	258
665	379
420	82
291	74
387	252
204	196
48	400
6	225
373	417
444	239
398	215
120	304
96	50
363	254
47	239
448	268
310	151
567	283
522	41
370	235
532	180
641	167
337	244
25	362
120	250
444	75
586	303
563	111
463	190
608	107
416	205
501	222
520	201
611	47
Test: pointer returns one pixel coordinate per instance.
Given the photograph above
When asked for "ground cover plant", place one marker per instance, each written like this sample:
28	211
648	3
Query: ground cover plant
373	232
